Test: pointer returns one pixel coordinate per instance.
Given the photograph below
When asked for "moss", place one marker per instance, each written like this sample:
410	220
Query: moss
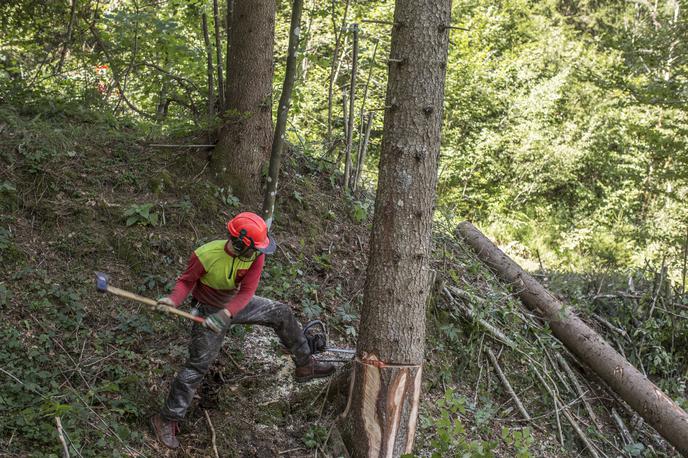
159	183
205	200
8	196
273	413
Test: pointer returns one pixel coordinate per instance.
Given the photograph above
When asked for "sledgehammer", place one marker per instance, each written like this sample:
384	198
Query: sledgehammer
103	287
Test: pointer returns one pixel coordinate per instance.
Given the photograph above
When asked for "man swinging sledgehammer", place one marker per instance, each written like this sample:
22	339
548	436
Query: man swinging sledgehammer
222	277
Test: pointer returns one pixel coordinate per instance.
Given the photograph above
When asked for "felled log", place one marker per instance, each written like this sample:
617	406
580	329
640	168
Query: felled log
660	411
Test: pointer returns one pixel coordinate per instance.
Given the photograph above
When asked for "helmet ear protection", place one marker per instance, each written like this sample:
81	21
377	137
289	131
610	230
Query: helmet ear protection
244	235
248	230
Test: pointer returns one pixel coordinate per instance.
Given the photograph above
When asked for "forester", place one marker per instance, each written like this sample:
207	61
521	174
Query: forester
222	276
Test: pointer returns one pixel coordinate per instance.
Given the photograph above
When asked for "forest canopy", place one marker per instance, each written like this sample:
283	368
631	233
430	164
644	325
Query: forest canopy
565	125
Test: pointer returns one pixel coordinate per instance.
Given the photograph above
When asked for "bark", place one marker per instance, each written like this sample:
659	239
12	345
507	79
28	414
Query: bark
228	33
218	50
362	151
630	384
365	128
209	54
305	62
283	111
246	134
338	38
352	115
685	262
385	390
163	101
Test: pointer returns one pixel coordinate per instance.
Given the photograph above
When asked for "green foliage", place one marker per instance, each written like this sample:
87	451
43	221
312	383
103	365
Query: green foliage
42	379
225	196
141	214
5	295
347	318
520	439
359	211
452	438
569	118
8	195
310	308
315	436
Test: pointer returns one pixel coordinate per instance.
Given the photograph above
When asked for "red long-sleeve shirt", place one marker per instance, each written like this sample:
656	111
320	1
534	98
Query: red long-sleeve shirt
246	282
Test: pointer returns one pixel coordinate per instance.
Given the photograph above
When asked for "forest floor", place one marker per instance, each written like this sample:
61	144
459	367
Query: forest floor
80	196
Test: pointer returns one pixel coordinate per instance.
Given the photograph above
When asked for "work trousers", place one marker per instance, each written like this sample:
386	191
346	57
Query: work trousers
205	346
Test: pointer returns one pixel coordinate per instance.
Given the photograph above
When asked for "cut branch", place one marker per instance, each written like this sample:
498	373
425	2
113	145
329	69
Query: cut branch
579	390
559	405
507	385
638	391
212	431
60	434
470	315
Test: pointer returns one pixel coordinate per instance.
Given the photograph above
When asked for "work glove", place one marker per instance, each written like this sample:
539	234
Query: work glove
218	321
165	301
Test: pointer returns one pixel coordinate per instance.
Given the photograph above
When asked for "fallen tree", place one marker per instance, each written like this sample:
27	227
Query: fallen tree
628	382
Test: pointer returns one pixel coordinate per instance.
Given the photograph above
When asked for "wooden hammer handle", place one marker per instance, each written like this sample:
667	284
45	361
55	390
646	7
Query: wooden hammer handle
152	303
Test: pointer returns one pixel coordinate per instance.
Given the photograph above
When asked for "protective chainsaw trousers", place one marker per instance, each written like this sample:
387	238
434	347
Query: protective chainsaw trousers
205	346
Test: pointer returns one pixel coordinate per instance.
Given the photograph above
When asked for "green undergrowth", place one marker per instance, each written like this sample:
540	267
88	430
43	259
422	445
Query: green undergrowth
83	192
470	412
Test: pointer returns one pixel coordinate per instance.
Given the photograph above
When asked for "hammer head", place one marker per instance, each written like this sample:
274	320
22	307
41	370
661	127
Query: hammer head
101	282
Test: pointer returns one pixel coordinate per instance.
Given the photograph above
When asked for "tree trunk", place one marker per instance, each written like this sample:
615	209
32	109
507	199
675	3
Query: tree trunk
218	51
209	56
338	37
685	262
363	150
305	63
228	33
352	113
385	389
365	128
246	135
283	111
640	393
68	38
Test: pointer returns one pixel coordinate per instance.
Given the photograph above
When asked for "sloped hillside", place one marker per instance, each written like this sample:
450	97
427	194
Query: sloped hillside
80	195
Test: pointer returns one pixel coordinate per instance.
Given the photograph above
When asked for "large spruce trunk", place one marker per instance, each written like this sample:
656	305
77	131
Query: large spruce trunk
380	418
628	382
245	137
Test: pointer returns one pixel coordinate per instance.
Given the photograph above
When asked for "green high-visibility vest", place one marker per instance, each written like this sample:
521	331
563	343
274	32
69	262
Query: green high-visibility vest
221	268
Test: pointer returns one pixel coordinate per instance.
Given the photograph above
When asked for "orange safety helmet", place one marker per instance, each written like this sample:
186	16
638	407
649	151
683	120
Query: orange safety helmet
252	231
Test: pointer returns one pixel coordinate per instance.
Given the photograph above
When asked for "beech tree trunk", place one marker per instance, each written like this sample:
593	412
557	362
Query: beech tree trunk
245	137
218	51
630	384
385	389
335	56
282	112
209	58
352	113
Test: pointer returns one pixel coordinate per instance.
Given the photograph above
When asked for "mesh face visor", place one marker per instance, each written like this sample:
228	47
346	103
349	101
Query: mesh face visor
240	246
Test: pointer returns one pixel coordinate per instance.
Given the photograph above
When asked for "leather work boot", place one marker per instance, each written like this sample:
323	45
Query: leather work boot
165	431
313	369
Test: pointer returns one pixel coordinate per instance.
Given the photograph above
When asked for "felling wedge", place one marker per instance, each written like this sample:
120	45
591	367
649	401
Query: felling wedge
102	286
